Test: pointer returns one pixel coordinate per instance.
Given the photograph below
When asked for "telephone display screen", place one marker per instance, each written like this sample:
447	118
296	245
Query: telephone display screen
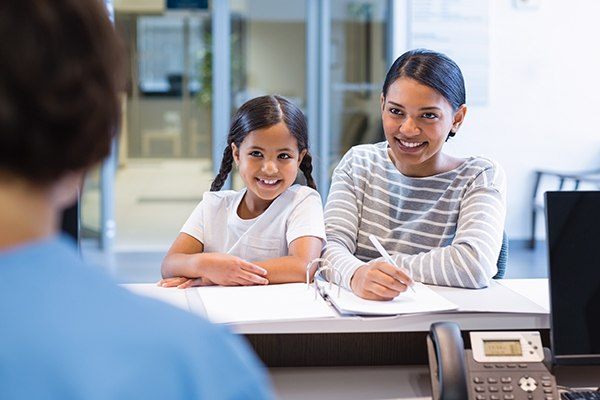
496	348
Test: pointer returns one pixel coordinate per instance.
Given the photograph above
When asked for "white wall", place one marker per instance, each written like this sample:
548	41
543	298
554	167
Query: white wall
544	96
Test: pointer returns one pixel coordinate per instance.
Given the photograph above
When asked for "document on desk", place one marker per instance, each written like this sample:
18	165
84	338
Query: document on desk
422	300
290	301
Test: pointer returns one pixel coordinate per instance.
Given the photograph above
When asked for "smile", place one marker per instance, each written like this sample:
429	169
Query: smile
411	144
269	182
409	147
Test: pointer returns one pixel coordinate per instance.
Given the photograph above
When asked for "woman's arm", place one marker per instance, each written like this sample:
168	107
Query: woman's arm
470	261
185	258
292	268
341	222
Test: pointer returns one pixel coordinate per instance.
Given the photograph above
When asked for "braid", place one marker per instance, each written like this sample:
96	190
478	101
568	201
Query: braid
226	164
306	168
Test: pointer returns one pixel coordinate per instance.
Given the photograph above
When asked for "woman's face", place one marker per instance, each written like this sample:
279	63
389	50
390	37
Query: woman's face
417	121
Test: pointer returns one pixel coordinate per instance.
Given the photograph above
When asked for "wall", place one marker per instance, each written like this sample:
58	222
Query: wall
544	82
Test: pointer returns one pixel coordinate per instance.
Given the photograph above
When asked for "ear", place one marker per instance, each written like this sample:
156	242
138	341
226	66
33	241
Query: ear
65	190
382	99
236	153
301	156
459	117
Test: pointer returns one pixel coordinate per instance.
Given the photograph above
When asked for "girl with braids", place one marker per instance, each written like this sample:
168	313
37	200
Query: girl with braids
266	232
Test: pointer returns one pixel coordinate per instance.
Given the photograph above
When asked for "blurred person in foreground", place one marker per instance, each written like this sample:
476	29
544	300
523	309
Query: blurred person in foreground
67	330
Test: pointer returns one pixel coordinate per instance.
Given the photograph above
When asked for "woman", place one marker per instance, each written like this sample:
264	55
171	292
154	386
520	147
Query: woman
440	217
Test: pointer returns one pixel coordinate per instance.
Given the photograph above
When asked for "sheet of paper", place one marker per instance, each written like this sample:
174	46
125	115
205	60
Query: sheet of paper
290	301
494	298
423	300
173	296
536	290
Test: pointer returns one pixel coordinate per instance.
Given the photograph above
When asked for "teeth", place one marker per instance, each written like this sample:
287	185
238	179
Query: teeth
269	181
409	144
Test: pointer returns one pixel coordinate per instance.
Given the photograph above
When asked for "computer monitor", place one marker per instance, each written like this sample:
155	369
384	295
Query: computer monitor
573	242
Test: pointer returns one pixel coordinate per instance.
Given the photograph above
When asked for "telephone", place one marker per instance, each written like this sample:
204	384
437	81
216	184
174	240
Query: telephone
499	366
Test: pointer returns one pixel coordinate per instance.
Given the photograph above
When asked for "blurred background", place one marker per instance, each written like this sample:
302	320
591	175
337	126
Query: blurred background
530	67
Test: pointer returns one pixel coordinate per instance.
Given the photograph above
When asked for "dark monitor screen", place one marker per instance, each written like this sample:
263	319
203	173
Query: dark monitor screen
573	240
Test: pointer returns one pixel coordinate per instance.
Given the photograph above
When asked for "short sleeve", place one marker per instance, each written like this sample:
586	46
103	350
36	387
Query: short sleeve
306	219
194	226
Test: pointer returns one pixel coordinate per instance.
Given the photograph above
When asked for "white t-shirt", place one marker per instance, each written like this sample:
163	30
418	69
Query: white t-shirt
295	213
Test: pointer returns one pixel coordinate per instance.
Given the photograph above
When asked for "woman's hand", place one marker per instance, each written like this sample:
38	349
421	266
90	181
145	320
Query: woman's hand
228	270
379	281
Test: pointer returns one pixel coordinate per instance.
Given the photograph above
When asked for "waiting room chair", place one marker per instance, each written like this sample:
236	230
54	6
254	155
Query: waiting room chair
566	181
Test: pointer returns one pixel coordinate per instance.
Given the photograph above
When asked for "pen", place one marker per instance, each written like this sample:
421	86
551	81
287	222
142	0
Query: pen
386	256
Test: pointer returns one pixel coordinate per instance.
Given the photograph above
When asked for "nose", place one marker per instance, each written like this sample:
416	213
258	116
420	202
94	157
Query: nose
269	167
409	127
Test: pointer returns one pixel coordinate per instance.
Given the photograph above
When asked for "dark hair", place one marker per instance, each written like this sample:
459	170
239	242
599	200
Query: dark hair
60	76
432	69
264	112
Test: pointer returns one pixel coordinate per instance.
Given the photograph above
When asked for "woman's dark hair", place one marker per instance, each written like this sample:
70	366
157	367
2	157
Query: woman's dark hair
264	112
60	77
432	69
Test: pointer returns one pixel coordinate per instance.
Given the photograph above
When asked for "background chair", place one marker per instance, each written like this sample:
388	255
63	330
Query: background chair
502	258
565	181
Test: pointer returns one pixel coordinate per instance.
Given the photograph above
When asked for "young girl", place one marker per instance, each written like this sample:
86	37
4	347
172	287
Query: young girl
441	217
268	231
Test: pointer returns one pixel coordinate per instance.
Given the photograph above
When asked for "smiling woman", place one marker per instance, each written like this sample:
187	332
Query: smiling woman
441	217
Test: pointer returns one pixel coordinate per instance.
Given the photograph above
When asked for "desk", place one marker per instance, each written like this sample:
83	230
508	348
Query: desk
523	306
397	340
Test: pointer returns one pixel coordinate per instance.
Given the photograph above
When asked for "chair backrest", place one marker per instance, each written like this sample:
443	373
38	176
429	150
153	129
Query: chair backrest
502	258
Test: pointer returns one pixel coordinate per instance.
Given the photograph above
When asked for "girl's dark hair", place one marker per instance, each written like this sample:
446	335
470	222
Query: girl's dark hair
60	78
432	69
264	112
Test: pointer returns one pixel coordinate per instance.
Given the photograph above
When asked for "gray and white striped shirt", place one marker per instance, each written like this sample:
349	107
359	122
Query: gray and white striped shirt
445	229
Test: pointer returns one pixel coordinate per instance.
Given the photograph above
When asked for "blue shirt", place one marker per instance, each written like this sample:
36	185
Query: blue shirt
67	331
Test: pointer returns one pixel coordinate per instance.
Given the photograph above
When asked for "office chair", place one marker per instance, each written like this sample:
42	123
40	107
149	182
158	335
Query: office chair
502	258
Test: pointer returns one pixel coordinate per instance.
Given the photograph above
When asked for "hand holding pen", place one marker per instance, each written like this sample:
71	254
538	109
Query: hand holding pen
380	280
391	261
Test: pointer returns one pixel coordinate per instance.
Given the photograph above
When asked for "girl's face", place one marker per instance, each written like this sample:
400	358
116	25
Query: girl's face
268	161
416	121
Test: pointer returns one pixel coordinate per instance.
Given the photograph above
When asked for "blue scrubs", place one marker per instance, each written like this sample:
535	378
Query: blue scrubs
67	331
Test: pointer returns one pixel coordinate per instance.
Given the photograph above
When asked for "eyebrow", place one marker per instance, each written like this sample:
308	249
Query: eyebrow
422	108
278	150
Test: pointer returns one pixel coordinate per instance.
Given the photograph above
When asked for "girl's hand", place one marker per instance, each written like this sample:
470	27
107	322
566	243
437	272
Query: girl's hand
379	281
227	270
182	282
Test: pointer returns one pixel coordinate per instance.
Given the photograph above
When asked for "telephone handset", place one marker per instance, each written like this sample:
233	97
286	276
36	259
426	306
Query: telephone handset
499	366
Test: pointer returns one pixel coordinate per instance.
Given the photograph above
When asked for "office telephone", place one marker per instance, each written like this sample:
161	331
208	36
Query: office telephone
499	366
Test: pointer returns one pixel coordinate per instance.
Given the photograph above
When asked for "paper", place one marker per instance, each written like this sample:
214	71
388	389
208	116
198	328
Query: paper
422	300
536	290
495	298
290	301
173	296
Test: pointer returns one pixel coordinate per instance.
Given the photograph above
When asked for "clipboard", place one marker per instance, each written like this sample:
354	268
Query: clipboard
327	283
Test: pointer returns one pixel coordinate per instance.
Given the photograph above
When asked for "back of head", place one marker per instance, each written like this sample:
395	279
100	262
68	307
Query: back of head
60	75
431	69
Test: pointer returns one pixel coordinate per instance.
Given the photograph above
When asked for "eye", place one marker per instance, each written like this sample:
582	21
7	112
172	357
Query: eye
396	111
284	156
255	153
429	116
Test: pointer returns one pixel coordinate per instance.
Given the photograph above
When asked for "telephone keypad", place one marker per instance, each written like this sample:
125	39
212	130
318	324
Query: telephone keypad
520	381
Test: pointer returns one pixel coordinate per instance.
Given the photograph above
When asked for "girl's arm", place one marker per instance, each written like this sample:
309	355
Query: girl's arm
292	268
186	258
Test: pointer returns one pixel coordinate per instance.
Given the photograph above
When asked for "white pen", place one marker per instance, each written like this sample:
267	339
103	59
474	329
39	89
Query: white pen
387	257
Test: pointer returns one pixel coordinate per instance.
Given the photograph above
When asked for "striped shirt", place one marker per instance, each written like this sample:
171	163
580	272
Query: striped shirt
446	229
